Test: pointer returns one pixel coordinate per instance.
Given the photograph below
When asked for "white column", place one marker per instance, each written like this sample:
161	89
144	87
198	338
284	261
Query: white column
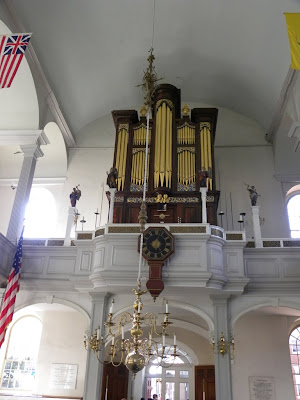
94	369
111	205
223	381
31	154
70	224
203	191
256	227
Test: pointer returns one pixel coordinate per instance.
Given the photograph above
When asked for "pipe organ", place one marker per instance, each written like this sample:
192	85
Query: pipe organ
179	148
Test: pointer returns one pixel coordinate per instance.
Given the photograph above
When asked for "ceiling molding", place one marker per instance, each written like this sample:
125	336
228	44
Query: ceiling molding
285	94
37	71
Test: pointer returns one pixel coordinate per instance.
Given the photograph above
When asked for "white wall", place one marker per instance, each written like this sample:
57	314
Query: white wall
61	342
262	351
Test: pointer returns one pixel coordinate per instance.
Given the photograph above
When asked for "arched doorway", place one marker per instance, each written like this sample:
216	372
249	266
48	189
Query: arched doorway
174	381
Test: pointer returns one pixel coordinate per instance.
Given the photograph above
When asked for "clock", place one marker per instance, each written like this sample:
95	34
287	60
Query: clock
158	245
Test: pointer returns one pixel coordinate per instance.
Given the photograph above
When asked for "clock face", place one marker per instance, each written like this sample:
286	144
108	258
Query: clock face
158	244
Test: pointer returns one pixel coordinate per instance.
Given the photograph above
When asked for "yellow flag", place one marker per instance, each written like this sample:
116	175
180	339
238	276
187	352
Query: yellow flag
293	28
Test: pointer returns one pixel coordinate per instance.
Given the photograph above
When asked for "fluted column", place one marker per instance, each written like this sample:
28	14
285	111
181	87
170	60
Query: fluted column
223	381
94	369
31	154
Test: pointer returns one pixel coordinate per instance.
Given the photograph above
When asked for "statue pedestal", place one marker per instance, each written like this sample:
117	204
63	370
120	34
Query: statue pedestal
70	223
203	191
256	227
111	205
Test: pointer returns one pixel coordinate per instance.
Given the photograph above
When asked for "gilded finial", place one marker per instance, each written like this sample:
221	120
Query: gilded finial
143	111
150	80
185	109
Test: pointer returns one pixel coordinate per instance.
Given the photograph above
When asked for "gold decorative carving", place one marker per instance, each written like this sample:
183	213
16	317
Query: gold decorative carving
34	242
185	109
119	199
210	199
250	245
84	236
123	229
234	236
187	229
53	242
99	232
271	243
291	243
217	232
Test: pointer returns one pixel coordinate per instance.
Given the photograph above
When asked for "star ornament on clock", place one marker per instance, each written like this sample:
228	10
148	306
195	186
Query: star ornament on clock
158	244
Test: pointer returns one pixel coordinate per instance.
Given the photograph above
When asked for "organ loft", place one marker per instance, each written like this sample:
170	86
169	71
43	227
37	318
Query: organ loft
180	149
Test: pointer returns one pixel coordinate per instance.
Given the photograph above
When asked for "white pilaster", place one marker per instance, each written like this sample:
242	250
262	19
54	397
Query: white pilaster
94	369
203	191
31	154
70	223
112	205
223	382
256	227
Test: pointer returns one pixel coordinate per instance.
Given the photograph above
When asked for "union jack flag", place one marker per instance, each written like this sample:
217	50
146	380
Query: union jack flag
12	49
12	288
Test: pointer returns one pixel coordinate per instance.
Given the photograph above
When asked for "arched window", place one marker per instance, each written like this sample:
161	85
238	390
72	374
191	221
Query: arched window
21	354
40	216
294	343
293	208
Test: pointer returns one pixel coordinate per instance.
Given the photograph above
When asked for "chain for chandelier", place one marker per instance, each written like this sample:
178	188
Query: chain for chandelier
137	350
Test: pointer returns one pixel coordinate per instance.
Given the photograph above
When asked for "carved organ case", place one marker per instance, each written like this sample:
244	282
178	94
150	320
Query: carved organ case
179	148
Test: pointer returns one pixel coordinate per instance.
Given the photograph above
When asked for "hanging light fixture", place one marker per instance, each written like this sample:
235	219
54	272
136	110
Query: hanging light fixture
137	351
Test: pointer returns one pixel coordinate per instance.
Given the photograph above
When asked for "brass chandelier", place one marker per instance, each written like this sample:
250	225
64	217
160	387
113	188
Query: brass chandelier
136	351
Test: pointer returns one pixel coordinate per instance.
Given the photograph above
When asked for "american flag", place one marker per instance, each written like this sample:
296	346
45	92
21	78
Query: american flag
12	49
12	288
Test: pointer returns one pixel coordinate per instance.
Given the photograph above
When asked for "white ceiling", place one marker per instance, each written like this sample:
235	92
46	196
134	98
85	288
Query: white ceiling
230	53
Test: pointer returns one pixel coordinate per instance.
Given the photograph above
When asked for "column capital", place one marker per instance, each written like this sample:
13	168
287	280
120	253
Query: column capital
22	137
221	299
99	297
32	150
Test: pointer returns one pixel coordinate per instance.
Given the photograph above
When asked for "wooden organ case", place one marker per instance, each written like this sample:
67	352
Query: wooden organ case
179	148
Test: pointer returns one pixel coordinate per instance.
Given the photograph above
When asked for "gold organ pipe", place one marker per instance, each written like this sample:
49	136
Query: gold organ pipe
140	167
194	166
178	167
202	148
189	167
167	146
157	147
121	160
163	145
118	153
124	158
205	150
135	167
132	180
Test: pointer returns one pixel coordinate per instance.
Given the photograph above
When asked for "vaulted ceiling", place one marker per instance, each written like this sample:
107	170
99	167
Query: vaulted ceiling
230	53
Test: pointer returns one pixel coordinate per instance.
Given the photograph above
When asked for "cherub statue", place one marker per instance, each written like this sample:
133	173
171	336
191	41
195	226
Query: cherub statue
112	177
159	198
253	194
75	195
204	174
